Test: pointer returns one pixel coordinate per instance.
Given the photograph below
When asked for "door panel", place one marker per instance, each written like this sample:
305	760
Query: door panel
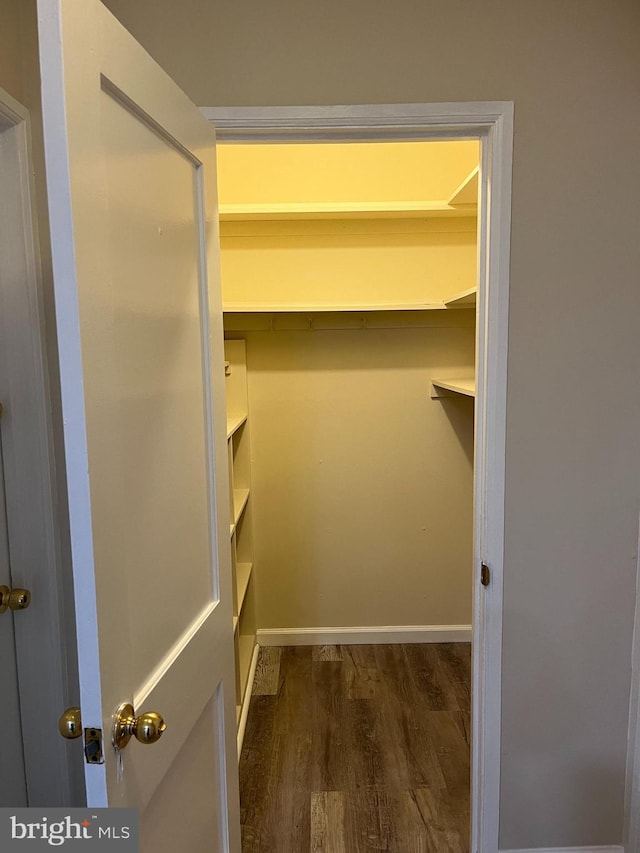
132	195
207	821
150	354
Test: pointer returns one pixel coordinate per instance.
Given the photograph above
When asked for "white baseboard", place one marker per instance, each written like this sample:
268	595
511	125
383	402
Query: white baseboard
362	635
244	713
610	848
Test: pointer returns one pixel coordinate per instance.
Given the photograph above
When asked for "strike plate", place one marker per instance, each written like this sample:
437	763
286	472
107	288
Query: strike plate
93	746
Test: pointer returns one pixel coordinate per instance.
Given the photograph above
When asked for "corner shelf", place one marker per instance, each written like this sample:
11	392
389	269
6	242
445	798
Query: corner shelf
234	422
243	576
465	299
465	386
240	498
466	195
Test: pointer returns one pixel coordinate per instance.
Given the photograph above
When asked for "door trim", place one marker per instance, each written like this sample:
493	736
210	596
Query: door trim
632	781
493	123
45	683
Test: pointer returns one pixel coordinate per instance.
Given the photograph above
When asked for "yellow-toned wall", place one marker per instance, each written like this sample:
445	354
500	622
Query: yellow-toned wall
362	484
343	172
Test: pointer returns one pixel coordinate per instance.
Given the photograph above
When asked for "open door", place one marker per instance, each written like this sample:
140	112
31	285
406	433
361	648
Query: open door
131	178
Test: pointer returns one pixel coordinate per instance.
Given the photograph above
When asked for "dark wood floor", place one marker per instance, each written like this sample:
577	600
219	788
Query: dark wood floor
351	749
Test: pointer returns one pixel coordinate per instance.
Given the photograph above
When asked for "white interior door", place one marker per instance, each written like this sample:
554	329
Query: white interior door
13	790
132	198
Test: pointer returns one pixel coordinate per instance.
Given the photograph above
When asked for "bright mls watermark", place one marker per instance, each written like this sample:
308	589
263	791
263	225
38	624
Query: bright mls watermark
36	829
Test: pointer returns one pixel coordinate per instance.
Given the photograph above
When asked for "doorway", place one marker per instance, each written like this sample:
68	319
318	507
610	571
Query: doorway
492	124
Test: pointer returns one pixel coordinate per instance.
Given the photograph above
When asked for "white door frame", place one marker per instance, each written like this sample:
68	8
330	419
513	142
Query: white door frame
493	123
631	827
45	682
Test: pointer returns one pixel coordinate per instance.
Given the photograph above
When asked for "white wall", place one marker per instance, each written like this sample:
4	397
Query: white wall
573	463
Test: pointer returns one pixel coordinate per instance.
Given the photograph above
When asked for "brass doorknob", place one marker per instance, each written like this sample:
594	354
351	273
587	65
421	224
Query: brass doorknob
14	599
146	728
70	723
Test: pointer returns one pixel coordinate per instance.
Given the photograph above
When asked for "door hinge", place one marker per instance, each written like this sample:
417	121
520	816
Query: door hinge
485	574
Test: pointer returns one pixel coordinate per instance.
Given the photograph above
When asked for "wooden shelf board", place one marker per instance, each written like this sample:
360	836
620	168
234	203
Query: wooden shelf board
449	387
465	299
232	529
235	623
243	576
240	498
234	422
339	210
466	195
300	308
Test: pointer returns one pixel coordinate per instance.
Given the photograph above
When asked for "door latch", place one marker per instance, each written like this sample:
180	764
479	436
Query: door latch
485	574
93	746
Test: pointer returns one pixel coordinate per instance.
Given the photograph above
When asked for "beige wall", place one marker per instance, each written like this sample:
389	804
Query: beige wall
573	464
11	72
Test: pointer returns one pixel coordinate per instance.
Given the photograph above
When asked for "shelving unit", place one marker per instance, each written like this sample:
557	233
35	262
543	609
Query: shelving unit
244	627
336	243
452	387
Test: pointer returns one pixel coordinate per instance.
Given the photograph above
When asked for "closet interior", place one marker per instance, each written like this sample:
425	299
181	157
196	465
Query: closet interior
349	291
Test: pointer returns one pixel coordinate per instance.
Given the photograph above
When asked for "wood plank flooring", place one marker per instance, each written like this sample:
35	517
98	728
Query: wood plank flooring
352	749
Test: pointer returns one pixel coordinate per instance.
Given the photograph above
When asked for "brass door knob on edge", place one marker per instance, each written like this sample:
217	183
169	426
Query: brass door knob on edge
14	599
146	728
70	724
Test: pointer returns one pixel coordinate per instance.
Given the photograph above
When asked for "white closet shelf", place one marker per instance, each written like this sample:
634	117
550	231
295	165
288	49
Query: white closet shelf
301	308
240	498
235	623
465	299
243	576
341	210
246	642
449	387
234	422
